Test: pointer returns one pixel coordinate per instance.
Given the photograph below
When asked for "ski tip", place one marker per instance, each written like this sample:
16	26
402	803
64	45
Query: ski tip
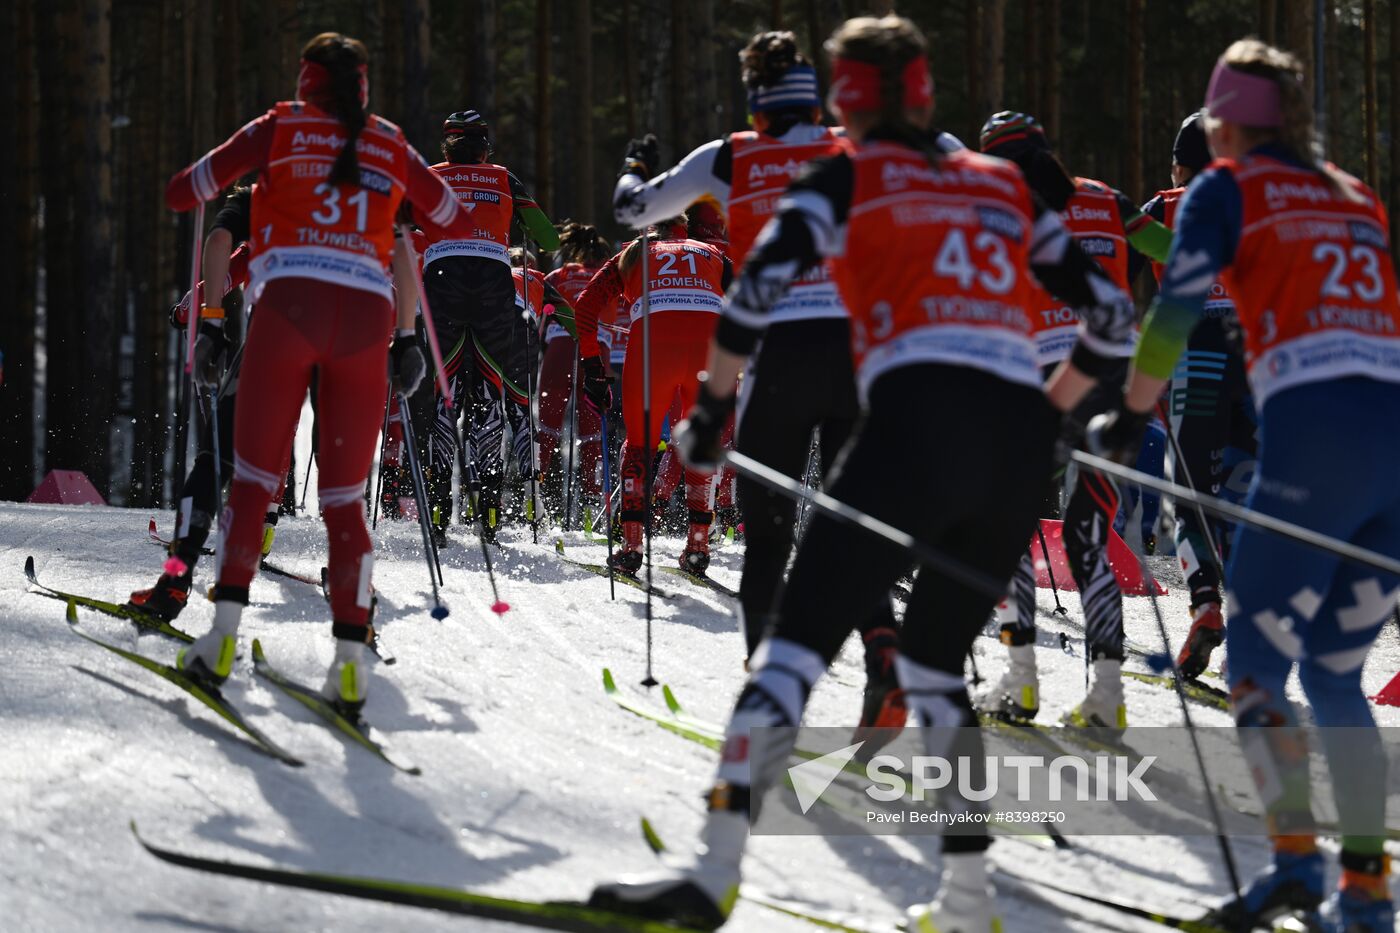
29	568
258	656
439	612
653	840
500	607
71	613
609	684
559	546
672	703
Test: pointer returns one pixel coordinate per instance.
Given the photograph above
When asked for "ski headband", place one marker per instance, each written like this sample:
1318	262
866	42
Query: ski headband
1239	97
796	88
856	85
314	83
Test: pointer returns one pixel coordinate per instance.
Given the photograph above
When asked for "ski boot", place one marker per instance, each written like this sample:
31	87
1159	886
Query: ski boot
1207	632
629	559
1103	708
696	557
269	531
1292	884
1016	696
883	706
348	677
1362	902
965	901
699	896
209	660
537	507
164	601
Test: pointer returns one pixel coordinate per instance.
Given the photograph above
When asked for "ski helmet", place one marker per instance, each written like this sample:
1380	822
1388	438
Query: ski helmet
1190	150
1008	134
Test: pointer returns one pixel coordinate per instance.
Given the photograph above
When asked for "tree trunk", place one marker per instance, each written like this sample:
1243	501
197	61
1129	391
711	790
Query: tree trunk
18	256
1395	123
681	45
702	72
1268	21
1030	55
974	63
1369	97
1136	73
98	307
1298	16
993	45
542	103
585	187
629	70
481	64
1050	63
1332	78
231	112
417	38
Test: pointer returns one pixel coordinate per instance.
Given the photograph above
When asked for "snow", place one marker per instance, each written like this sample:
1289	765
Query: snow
533	781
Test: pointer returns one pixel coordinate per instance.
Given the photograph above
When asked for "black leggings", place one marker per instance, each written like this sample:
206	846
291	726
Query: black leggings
964	478
801	380
1210	409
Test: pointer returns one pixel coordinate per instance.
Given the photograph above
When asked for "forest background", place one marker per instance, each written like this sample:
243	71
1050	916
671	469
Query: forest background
110	97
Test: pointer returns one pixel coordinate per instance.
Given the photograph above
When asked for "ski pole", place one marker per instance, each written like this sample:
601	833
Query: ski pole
306	483
1226	854
532	349
573	440
649	681
807	481
433	347
1238	513
926	555
1050	571
1216	555
192	321
420	498
383	446
608	510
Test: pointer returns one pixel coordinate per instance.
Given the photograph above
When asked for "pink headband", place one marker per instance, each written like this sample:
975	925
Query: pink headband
856	85
314	83
1250	100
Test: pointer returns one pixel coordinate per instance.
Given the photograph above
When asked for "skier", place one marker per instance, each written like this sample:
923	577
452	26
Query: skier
472	297
1212	415
1303	249
687	279
332	177
802	379
1105	224
582	252
884	211
225	263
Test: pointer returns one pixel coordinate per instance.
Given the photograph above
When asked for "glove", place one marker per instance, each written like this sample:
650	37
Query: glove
643	157
407	366
1117	435
210	347
698	436
180	313
597	385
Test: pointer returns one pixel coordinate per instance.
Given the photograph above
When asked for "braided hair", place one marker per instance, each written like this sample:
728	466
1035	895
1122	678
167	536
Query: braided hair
583	244
343	57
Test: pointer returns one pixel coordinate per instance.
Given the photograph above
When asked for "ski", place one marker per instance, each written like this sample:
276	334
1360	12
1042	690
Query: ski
359	732
602	571
569	916
376	644
1152	657
142	620
264	565
209	696
1205	694
702	733
701	580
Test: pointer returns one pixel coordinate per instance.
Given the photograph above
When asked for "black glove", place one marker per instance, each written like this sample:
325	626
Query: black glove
1117	435
210	347
643	157
407	367
698	436
597	385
